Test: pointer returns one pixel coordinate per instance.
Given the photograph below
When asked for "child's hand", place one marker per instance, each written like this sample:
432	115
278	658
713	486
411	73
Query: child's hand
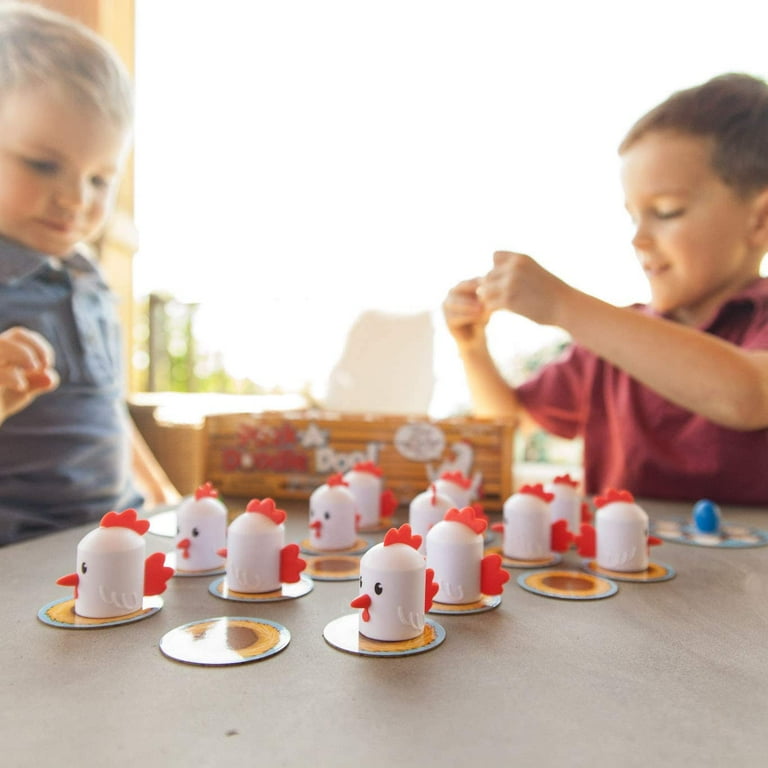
519	284
26	369
465	314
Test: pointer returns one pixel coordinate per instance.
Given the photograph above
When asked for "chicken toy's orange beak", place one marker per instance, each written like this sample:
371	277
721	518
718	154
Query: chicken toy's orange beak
70	580
363	601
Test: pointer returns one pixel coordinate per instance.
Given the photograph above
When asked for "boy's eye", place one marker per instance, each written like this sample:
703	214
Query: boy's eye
670	214
99	182
43	167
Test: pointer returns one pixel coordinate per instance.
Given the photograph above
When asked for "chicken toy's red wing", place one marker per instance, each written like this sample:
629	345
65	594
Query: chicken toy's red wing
561	536
492	576
387	503
432	588
586	541
156	574
291	565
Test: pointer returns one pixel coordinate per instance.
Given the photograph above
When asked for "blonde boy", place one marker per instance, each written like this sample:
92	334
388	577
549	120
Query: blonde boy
65	437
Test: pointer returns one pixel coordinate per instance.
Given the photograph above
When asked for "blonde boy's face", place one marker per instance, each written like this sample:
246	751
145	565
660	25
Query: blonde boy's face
694	236
59	167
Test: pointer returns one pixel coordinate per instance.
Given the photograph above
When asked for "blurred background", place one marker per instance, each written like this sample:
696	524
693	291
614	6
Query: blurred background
300	162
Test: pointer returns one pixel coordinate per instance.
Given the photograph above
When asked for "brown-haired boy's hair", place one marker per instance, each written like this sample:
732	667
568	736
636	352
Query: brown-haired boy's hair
732	109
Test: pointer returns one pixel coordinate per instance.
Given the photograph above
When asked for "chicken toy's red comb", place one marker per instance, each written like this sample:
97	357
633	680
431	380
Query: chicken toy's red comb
267	507
538	491
459	478
337	479
206	491
126	519
402	535
566	479
612	495
467	516
368	466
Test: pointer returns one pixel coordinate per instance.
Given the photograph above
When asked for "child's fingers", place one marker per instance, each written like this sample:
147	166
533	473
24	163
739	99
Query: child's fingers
14	378
26	349
43	380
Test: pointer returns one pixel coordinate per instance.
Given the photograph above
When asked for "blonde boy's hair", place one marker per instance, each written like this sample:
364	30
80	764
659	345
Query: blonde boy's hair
40	47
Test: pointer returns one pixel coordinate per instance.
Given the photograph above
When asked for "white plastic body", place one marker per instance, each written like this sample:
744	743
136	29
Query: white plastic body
110	569
621	531
566	505
335	508
527	527
366	488
254	542
425	510
204	523
397	613
462	497
454	552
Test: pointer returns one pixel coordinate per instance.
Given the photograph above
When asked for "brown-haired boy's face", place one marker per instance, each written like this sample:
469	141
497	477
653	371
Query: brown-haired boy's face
58	170
693	234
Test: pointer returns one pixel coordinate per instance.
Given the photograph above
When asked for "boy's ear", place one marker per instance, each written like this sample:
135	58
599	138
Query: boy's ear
759	228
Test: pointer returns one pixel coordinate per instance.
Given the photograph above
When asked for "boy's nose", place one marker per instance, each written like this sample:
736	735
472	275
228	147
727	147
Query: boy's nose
72	193
641	238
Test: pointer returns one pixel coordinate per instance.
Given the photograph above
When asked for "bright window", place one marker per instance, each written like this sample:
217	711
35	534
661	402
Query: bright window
298	162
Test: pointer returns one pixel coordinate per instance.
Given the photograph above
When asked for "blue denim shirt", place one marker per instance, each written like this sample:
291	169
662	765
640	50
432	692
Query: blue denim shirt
65	459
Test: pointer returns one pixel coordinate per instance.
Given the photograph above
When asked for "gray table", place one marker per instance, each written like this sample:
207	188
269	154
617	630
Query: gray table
672	673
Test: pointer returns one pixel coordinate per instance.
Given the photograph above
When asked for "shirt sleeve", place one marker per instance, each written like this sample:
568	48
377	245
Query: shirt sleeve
557	396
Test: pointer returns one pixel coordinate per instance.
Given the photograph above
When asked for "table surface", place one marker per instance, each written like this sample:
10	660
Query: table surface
672	673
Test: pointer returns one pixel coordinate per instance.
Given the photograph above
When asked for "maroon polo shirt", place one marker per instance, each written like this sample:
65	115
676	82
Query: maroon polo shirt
637	440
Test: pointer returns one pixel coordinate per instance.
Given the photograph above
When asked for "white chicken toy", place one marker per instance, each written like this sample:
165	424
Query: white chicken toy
258	560
375	504
427	509
619	541
333	516
456	486
202	531
527	527
397	588
566	501
112	575
455	554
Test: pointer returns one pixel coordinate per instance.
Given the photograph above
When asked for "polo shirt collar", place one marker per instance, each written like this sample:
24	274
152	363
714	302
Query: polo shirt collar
17	262
753	296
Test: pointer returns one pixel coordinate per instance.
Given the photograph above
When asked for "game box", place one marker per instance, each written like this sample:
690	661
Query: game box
286	455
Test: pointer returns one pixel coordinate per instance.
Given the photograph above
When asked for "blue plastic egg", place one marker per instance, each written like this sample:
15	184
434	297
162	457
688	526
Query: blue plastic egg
706	516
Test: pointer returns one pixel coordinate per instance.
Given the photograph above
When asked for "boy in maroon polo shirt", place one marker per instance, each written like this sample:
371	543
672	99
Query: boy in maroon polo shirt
671	398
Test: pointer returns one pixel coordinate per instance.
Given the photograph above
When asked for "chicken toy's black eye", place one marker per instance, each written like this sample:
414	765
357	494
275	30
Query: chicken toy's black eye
83	567
327	515
195	532
361	582
378	589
